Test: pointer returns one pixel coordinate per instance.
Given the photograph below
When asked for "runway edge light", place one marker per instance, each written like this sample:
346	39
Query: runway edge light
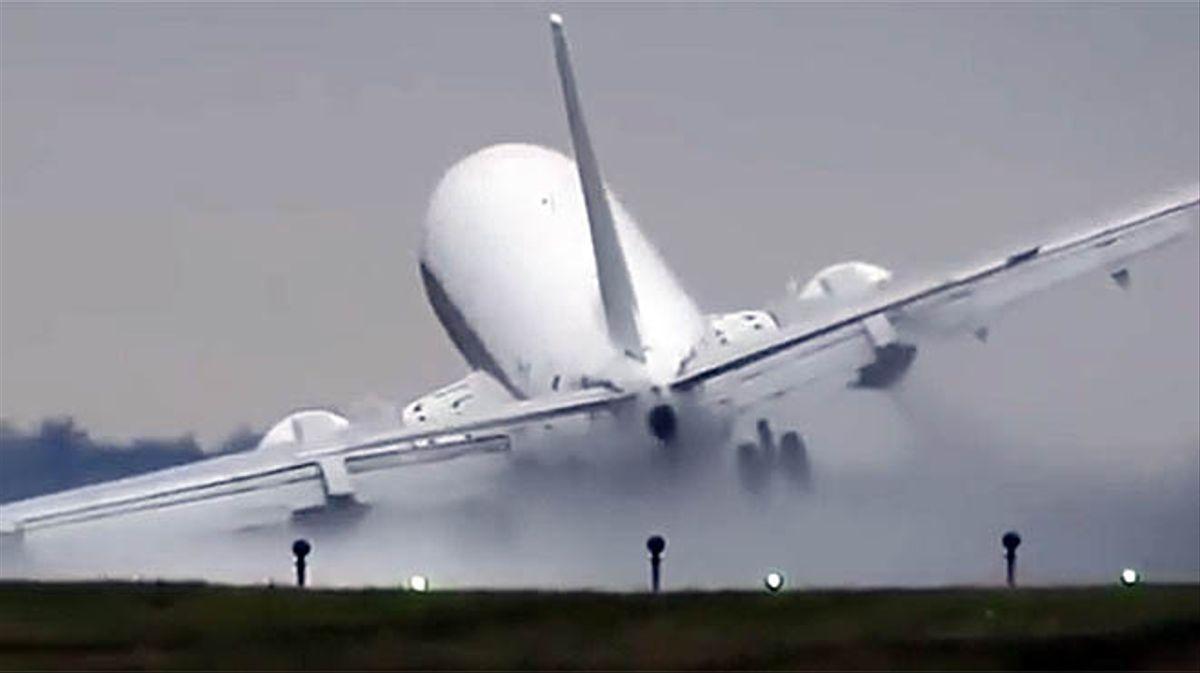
1130	577
773	581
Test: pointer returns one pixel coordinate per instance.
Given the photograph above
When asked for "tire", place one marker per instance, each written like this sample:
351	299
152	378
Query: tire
752	470
793	460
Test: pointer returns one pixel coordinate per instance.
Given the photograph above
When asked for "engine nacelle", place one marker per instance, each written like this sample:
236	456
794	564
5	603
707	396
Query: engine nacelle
850	282
845	281
305	427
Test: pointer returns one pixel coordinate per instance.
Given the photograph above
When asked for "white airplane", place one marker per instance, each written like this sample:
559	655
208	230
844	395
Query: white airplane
566	314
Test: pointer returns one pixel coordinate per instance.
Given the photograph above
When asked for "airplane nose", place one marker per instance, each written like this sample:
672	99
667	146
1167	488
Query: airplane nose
662	422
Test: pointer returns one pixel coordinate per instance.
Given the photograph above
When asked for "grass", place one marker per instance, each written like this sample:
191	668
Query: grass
181	626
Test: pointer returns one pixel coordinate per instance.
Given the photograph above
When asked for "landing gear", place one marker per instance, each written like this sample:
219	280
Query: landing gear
793	459
752	468
662	422
758	460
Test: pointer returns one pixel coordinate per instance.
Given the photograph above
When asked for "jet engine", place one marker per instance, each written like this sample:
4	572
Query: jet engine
304	427
844	282
850	282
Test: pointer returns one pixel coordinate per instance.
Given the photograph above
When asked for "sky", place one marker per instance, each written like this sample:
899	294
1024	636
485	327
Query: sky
209	214
209	217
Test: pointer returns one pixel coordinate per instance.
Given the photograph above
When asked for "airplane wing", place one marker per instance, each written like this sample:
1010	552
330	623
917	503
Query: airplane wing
864	341
308	474
858	343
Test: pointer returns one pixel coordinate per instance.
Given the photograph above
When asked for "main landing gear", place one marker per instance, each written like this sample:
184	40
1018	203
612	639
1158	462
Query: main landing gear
788	458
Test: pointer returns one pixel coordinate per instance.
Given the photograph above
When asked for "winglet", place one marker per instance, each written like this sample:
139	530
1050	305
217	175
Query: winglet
616	288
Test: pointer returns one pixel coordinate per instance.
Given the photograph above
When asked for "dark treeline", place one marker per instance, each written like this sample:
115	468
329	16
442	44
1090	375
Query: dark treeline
60	455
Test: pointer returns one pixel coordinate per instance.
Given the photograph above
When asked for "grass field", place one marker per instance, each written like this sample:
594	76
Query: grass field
174	626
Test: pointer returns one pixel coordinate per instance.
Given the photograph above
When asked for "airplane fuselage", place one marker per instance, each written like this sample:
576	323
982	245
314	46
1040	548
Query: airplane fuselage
508	267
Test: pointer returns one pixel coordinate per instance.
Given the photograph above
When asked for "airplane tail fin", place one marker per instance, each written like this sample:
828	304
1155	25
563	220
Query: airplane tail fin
612	270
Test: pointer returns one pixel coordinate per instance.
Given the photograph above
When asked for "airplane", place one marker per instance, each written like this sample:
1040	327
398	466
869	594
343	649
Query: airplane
566	314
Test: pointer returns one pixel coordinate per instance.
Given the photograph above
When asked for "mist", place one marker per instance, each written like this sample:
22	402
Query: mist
911	487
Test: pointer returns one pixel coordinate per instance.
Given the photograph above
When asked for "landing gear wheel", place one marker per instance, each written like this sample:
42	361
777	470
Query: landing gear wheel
752	469
793	460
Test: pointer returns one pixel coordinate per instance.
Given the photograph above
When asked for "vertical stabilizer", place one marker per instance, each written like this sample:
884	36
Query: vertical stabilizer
616	289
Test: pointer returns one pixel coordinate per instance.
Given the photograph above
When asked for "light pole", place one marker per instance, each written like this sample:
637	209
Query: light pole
301	548
1011	541
655	545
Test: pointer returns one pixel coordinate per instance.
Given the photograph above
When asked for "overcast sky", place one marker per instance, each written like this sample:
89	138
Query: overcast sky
210	213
